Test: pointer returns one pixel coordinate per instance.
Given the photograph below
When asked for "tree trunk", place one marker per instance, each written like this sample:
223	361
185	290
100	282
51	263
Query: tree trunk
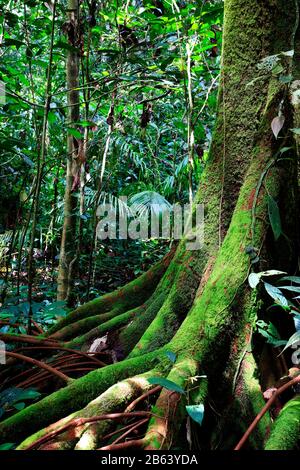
67	258
202	308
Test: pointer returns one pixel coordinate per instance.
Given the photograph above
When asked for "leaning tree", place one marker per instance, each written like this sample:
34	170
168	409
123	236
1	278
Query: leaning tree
197	304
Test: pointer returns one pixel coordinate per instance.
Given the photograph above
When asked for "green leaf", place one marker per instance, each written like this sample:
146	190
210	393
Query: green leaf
75	133
295	279
14	42
86	123
296	131
276	294
274	216
66	46
19	406
171	356
196	412
284	149
286	78
293	340
28	394
269	331
291	288
7	446
271	272
55	305
168	384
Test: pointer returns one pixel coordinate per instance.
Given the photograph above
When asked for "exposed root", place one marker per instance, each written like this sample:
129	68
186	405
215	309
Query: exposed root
285	434
12	338
80	422
145	395
113	400
267	406
75	352
125	434
73	397
103	324
39	364
121	300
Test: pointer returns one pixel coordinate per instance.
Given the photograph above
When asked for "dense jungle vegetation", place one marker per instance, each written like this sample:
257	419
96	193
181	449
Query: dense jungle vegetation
130	340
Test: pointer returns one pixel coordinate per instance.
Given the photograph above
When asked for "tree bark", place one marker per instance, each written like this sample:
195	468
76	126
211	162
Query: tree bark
208	312
67	257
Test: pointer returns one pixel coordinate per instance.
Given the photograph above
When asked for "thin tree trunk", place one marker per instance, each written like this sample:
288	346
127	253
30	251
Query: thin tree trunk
67	257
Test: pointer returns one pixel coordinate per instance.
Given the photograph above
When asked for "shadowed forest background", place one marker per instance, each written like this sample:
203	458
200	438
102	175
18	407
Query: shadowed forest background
146	344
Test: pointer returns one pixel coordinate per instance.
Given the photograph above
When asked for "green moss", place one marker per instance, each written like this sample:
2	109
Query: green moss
72	397
132	333
110	325
132	295
82	326
252	402
181	372
113	400
285	434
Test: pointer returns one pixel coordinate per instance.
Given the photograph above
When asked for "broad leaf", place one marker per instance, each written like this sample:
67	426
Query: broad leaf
293	340
291	288
171	356
168	384
19	406
75	133
295	279
277	125
296	131
7	446
196	412
274	216
276	294
253	280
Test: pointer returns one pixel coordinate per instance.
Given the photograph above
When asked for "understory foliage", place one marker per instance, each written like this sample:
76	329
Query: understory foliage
148	344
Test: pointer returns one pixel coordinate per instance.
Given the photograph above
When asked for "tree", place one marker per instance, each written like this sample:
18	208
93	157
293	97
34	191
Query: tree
197	304
68	255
